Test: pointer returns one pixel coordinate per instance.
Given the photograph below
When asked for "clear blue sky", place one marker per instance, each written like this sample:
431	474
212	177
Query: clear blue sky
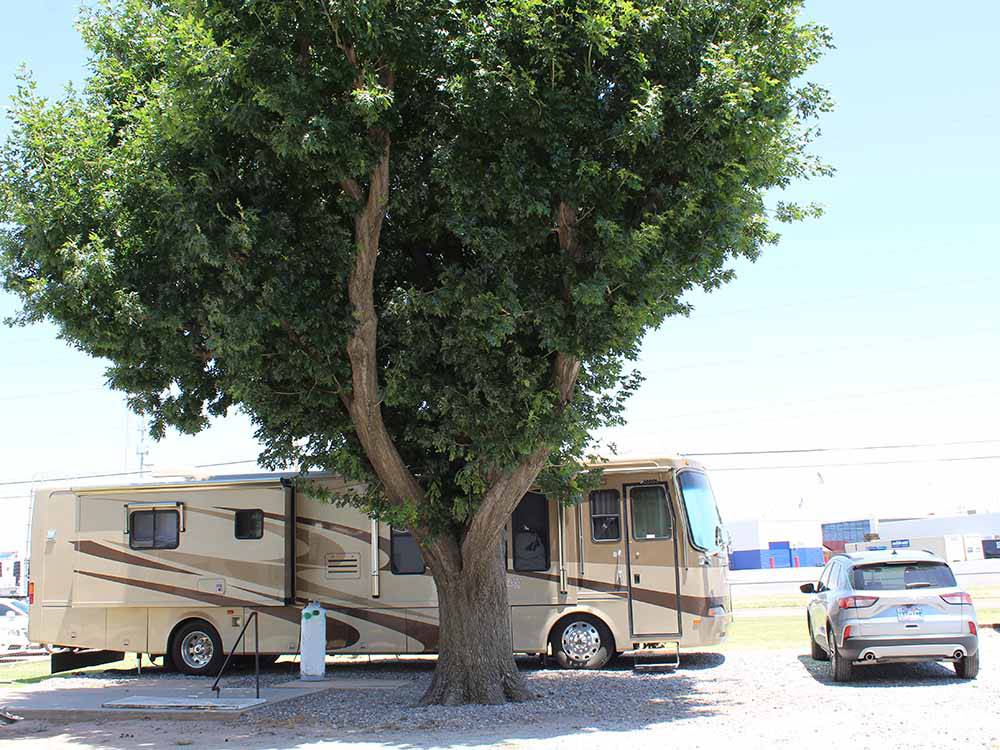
876	324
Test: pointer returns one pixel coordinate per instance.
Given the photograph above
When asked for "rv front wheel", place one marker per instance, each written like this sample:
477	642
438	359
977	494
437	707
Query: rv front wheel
196	649
582	642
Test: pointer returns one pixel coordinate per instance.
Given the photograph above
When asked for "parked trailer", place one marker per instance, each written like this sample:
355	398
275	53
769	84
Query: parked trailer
175	568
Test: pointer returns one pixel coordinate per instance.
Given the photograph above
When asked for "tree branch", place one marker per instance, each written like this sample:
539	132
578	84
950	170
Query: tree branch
364	405
508	487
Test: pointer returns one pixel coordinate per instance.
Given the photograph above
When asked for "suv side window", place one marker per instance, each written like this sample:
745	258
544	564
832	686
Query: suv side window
829	574
824	579
839	578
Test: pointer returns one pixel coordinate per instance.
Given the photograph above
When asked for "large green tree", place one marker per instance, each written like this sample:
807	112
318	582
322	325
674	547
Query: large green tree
415	242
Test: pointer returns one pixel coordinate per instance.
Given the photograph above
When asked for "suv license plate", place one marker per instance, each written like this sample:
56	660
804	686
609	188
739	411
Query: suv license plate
909	614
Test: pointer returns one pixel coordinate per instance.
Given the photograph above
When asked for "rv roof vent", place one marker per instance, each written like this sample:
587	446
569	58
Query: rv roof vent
343	565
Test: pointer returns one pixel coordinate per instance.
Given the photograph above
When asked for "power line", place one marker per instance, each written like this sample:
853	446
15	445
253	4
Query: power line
115	474
51	394
864	346
773	406
844	450
811	302
856	463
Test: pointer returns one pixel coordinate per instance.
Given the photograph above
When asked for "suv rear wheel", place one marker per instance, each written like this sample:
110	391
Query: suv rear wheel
841	667
968	666
816	651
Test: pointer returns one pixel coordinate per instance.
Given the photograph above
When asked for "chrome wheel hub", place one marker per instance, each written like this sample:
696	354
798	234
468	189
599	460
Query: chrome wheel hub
197	649
581	641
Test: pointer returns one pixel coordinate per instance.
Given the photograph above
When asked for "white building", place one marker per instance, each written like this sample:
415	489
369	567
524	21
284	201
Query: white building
983	525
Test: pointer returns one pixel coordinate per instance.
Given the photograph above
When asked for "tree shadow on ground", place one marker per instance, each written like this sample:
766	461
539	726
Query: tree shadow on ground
925	674
568	703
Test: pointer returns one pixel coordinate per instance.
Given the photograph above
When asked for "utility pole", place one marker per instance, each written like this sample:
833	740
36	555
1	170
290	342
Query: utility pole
141	450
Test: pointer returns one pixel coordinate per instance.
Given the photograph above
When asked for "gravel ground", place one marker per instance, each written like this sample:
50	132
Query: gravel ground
746	698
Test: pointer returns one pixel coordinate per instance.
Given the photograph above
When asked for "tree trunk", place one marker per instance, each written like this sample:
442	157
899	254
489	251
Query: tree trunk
475	650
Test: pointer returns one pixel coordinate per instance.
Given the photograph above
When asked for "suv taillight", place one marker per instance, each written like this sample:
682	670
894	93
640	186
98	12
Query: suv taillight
959	597
856	602
31	592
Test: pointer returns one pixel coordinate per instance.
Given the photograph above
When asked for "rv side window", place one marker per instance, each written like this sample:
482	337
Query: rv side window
250	524
404	553
154	529
530	522
650	514
605	516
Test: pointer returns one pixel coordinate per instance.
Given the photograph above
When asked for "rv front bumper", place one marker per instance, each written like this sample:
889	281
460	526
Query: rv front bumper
708	629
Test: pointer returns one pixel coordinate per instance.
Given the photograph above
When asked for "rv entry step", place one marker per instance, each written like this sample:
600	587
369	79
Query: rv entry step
663	657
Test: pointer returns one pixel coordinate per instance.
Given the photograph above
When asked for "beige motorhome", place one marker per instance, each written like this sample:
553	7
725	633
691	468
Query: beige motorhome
174	569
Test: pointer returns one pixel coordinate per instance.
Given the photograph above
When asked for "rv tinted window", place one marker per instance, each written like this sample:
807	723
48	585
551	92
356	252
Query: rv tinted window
530	523
650	514
250	524
154	529
704	523
605	516
404	553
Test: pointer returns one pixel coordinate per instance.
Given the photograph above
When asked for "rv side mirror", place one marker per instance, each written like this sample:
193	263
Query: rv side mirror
808	588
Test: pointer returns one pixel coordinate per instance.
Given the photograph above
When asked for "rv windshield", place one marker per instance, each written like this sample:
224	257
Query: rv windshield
699	505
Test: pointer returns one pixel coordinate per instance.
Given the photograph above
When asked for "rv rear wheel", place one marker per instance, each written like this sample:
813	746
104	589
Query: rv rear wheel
196	649
582	642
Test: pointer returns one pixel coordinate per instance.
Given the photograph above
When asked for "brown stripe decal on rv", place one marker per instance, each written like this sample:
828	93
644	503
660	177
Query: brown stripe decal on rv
358	534
695	605
266	514
202	596
339	634
269	575
94	549
424	632
363	536
259	593
272	527
342	630
603	586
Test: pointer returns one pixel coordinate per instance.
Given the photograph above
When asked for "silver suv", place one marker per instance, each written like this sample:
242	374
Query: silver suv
876	607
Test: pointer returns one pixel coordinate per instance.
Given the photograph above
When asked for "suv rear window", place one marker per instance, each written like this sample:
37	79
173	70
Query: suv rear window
893	576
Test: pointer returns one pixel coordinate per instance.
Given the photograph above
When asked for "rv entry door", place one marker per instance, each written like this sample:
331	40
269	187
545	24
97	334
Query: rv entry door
652	562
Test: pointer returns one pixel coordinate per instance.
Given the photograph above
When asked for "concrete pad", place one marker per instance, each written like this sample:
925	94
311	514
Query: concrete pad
342	683
193	703
73	701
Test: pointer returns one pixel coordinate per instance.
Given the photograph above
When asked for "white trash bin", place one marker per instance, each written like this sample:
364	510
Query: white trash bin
312	664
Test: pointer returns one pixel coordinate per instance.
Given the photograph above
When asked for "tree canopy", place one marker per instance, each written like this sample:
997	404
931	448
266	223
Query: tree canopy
415	242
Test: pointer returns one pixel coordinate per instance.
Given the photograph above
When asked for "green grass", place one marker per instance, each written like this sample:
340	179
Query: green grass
766	633
984	592
767	602
989	616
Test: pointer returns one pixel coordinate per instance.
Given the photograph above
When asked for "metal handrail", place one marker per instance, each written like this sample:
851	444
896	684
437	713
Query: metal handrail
256	654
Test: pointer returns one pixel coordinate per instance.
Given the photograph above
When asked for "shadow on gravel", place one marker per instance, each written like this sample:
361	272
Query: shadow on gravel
929	674
569	702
